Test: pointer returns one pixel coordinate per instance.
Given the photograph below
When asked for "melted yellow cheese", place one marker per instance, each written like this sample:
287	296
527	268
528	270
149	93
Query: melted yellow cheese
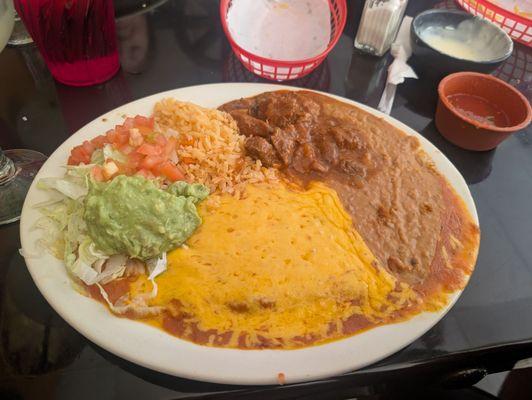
279	263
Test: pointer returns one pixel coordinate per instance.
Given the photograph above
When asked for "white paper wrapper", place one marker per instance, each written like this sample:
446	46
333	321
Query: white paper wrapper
288	30
398	70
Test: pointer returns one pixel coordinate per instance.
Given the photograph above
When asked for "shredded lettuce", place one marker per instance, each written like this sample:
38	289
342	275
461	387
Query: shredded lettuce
79	173
65	187
87	257
97	157
65	229
115	267
100	155
73	185
66	234
109	152
156	266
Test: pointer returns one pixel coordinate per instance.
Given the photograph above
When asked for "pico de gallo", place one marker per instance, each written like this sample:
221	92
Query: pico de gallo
133	148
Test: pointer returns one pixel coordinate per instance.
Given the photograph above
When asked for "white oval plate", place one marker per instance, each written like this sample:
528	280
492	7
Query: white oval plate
152	348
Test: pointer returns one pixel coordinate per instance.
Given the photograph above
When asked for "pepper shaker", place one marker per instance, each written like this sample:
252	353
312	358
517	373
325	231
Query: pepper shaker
379	25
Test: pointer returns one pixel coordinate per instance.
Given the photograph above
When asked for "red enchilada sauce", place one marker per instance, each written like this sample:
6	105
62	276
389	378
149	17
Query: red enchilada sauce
479	109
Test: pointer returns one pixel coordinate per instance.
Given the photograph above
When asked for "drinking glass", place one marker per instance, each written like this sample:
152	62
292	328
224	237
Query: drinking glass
75	37
18	167
7	21
20	35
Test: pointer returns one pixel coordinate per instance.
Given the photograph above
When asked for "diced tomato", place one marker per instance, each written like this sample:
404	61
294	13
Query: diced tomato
145	130
134	159
88	147
121	138
150	162
78	152
99	141
149	153
97	173
79	155
143	121
171	171
129	123
126	149
121	128
149	149
169	148
110	136
145	173
161	140
125	168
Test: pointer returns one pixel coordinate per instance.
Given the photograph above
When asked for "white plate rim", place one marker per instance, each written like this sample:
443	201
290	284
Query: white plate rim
173	356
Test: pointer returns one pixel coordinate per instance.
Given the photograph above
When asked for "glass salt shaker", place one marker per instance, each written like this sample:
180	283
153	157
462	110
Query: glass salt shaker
379	25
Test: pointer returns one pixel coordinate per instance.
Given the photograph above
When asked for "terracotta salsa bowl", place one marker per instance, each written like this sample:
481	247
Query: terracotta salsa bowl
478	111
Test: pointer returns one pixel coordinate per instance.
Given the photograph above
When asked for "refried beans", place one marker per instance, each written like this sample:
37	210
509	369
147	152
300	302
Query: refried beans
385	181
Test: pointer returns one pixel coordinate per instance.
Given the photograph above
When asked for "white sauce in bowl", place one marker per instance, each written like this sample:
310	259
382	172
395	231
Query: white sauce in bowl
469	40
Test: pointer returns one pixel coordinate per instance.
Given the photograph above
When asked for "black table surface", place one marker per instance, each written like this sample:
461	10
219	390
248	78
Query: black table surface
172	44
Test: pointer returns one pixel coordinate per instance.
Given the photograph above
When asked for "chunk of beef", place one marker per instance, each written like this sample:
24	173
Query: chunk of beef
301	163
284	142
347	138
285	108
250	126
328	148
303	130
258	147
351	165
306	158
240	104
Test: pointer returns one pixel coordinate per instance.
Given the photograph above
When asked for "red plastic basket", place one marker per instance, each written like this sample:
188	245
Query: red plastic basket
284	70
320	80
516	68
519	28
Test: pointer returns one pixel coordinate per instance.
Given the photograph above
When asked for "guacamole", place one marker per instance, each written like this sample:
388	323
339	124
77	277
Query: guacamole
131	215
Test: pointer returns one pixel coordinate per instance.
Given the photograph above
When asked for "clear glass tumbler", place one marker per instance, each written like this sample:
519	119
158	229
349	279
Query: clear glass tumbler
75	37
17	169
7	21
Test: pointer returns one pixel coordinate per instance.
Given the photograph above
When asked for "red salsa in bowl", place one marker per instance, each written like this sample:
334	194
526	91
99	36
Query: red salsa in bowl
478	111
